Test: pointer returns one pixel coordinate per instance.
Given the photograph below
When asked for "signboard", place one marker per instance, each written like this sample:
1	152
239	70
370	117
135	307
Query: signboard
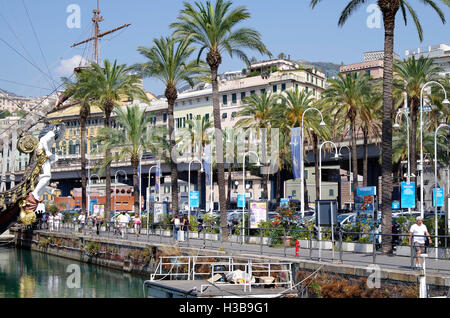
408	195
159	210
91	205
258	213
395	205
241	201
193	199
99	209
284	203
326	212
365	204
438	196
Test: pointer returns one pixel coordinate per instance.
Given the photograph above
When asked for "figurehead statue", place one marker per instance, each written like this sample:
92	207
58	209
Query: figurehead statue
47	137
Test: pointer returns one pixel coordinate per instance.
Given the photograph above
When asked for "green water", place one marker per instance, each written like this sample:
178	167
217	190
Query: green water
27	274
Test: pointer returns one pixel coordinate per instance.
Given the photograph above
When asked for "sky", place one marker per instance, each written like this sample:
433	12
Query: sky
37	32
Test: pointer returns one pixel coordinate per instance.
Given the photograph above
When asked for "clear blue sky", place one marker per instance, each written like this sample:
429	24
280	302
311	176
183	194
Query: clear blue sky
288	26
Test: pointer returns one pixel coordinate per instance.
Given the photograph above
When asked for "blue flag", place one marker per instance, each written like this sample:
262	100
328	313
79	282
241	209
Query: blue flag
207	163
296	149
157	177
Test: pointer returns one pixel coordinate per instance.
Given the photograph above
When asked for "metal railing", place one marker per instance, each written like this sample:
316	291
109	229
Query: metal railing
268	241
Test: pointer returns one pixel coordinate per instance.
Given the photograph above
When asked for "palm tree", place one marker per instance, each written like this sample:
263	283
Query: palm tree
389	10
213	28
169	61
135	137
107	87
259	112
412	74
346	96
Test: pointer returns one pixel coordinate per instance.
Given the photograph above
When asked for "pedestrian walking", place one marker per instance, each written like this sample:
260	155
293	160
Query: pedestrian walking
137	224
51	220
81	221
176	226
123	221
98	222
200	224
420	233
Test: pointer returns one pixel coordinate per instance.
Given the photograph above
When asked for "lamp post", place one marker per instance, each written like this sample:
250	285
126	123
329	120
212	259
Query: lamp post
258	164
349	171
435	186
336	156
422	170
115	185
89	191
189	182
302	186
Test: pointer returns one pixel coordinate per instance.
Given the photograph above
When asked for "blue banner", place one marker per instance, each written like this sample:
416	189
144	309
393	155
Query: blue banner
438	195
241	201
284	203
366	191
395	205
193	199
157	178
296	149
408	195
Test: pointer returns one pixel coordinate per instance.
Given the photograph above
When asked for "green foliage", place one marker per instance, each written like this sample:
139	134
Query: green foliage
51	208
92	248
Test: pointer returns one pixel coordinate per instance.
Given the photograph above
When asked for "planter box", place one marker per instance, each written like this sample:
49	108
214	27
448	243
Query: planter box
357	247
325	245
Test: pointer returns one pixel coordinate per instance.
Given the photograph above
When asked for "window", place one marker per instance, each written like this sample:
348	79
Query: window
263	90
207	117
252	92
233	115
225	99
368	72
224	116
190	102
321	84
198	100
283	87
307	77
165	117
275	88
331	193
242	96
306	90
207	99
314	91
296	86
294	193
306	174
234	98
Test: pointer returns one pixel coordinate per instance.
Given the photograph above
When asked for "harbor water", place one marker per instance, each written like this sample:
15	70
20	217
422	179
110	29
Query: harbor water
28	274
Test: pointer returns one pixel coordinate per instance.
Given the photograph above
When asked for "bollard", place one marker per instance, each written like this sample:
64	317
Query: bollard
297	248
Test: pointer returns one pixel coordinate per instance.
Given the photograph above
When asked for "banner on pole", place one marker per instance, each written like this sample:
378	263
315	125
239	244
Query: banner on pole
194	199
408	195
296	149
438	197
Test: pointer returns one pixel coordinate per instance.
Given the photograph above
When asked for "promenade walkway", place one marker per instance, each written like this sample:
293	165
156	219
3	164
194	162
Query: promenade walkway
440	267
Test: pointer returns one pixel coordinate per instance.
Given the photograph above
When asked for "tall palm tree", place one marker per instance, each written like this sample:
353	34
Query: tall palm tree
259	112
169	61
346	96
389	10
411	75
213	28
135	137
107	87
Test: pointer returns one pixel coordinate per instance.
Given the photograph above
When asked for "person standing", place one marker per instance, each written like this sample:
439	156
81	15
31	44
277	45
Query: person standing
98	222
185	226
51	220
82	221
420	233
124	220
176	226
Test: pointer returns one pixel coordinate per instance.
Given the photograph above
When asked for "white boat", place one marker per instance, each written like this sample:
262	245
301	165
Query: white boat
220	277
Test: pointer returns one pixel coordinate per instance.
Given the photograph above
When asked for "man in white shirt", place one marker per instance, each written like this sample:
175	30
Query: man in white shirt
82	220
420	233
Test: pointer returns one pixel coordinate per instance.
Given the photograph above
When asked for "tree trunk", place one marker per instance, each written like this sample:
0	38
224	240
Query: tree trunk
354	157
171	95
135	165
83	161
214	59
278	189
389	10
108	111
414	109
316	165
366	156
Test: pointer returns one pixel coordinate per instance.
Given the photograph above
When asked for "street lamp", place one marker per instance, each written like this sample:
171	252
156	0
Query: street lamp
444	102
89	191
258	164
349	171
435	185
302	186
189	182
115	186
336	156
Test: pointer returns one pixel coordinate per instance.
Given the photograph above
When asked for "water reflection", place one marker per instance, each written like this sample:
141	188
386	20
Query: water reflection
26	274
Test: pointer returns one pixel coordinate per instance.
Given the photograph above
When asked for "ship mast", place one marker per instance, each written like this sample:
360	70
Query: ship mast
97	35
